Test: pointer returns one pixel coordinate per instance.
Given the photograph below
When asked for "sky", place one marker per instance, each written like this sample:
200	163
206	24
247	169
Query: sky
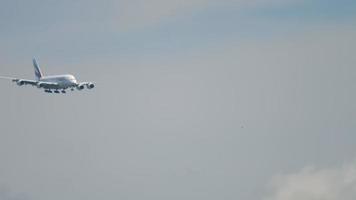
199	99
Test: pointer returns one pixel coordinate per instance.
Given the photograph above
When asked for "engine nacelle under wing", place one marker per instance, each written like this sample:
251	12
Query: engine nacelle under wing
80	86
90	85
20	82
39	85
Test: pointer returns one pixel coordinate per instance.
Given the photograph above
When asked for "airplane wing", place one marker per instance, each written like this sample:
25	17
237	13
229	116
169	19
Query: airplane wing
21	82
6	77
39	84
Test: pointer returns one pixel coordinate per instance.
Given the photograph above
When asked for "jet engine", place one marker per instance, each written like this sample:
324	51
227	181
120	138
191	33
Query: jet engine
80	87
39	85
20	83
90	85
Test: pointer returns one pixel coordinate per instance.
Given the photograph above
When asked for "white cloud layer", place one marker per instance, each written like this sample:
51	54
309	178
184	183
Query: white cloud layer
316	184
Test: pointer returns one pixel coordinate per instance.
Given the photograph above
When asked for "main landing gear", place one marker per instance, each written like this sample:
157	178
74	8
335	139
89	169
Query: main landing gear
55	91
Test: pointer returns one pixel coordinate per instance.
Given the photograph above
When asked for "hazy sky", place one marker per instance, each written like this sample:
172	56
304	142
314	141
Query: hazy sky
198	99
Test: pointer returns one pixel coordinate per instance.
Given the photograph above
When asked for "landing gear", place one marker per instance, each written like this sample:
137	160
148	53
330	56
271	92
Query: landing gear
63	91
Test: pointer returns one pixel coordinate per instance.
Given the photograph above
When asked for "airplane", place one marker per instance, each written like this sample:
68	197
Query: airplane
52	84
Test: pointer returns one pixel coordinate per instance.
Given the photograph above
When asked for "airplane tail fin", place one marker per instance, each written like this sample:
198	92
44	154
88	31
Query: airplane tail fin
38	72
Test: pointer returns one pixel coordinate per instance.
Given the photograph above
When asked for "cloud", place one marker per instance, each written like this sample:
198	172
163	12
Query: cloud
316	184
141	13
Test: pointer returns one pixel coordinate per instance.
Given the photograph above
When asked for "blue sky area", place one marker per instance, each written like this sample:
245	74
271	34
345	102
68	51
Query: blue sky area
85	30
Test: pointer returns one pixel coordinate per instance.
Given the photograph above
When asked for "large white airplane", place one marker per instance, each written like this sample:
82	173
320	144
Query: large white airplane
50	84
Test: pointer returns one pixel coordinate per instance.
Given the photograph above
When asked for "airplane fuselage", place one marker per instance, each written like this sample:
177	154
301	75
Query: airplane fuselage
63	81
